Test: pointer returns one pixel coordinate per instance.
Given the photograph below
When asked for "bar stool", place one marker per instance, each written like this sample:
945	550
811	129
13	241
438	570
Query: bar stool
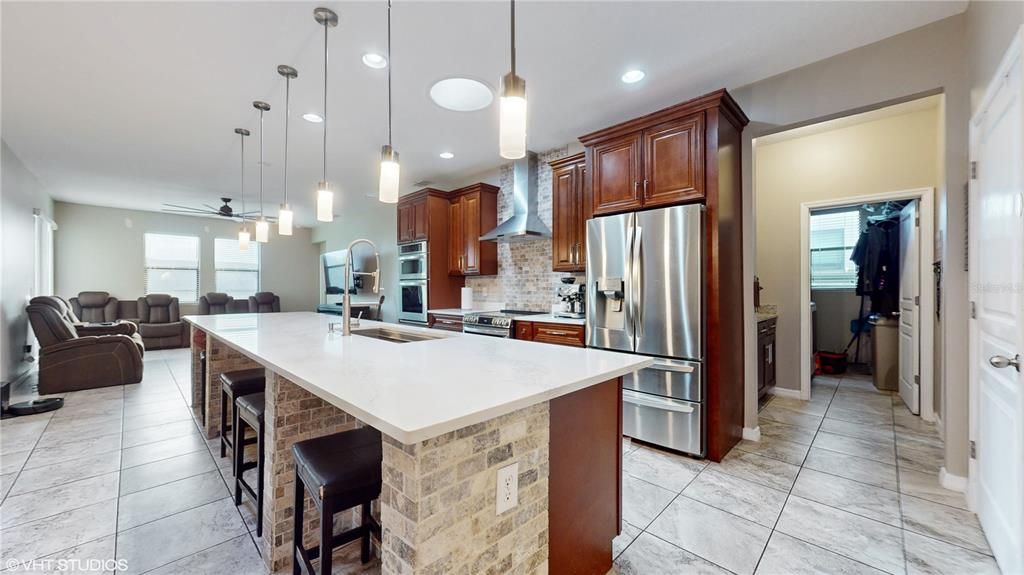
234	384
340	471
249	412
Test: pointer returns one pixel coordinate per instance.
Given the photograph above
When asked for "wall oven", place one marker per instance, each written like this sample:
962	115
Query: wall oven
412	261
413	306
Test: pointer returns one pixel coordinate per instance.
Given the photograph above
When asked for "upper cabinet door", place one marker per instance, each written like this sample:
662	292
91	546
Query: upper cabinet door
405	223
456	245
674	161
615	181
471	233
419	220
564	217
582	215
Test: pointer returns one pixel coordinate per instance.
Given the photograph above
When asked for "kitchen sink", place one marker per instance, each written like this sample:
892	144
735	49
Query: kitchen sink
394	335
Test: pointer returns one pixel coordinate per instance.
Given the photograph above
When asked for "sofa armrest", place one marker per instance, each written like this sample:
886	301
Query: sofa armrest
119	328
89	341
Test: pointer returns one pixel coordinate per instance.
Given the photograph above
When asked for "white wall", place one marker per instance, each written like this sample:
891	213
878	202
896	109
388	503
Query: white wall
377	222
102	249
990	28
918	61
21	193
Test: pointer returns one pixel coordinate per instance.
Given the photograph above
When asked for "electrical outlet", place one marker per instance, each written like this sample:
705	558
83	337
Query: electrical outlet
508	488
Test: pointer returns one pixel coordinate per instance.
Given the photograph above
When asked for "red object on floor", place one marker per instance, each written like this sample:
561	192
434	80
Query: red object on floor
829	363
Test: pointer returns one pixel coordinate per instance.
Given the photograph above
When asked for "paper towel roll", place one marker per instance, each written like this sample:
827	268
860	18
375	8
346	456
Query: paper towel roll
467	298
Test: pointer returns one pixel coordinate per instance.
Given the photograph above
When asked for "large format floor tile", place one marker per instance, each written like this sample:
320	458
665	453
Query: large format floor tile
877	433
157	433
883	452
926	486
792	433
152	504
649	555
19	509
237	556
943	522
73	450
790	417
851	467
787	555
862	417
764	470
48	476
164	471
63	531
859	498
776	449
926	556
740	497
150	452
642	501
673	472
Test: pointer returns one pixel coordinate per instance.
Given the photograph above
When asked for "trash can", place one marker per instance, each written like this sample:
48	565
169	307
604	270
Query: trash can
885	352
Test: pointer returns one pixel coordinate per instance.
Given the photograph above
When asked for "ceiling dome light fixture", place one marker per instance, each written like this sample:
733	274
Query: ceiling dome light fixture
389	167
376	61
446	155
512	117
324	196
633	76
262	226
243	232
312	118
461	94
285	216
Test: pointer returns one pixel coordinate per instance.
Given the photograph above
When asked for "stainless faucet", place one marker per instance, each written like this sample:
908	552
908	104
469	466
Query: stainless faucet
346	314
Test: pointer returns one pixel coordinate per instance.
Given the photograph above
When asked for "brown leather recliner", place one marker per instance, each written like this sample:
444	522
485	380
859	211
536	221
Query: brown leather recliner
264	302
72	361
82	328
94	306
160	322
216	303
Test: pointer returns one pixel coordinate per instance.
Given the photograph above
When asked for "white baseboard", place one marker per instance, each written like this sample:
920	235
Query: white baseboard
952	482
783	392
752	433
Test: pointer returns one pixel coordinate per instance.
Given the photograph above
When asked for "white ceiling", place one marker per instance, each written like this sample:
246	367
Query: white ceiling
134	104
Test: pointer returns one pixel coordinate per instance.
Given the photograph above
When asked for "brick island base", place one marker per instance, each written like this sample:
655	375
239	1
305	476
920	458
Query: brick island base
438	499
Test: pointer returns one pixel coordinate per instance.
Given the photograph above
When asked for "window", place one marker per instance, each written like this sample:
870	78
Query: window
834	234
237	271
172	266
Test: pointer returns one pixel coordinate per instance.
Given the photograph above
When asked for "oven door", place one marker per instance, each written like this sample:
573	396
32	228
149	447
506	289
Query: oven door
412	267
414	301
486	330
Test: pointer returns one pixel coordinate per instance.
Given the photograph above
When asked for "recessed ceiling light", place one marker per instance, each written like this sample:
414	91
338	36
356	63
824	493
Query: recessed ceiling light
633	76
461	94
446	155
311	117
375	60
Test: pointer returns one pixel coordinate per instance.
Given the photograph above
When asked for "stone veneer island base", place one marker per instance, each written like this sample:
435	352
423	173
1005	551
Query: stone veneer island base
438	500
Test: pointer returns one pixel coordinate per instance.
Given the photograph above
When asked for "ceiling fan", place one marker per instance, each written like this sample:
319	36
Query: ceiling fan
225	211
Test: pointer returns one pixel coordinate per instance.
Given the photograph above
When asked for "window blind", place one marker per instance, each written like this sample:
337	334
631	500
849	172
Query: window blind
237	271
172	266
834	234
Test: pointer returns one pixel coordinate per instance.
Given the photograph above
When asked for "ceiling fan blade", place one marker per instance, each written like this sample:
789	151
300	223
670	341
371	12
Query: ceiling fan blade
188	212
184	207
212	208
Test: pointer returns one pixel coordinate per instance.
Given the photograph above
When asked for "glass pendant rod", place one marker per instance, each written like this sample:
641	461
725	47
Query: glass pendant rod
242	133
326	26
262	107
513	35
389	72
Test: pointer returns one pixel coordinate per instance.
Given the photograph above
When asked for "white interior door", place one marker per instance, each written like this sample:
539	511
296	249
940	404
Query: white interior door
910	309
997	331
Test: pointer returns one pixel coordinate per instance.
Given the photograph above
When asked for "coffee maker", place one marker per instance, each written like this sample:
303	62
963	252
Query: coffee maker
572	296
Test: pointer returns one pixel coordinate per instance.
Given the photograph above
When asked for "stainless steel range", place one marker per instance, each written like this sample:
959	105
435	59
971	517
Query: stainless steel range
493	323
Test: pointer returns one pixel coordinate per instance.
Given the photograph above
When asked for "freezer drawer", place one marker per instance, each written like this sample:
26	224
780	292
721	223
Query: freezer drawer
666	422
673	378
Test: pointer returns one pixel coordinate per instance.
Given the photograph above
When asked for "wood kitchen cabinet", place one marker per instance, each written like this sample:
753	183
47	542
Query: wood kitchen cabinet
423	216
413	218
472	211
653	161
765	357
556	333
569	214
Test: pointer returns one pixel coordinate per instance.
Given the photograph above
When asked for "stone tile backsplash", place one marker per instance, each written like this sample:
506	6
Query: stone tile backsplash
525	280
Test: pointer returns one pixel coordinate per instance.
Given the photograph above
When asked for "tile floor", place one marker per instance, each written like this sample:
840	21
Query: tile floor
120	479
844	483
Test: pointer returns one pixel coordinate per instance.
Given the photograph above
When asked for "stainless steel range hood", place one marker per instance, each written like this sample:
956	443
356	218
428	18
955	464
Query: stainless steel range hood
524	224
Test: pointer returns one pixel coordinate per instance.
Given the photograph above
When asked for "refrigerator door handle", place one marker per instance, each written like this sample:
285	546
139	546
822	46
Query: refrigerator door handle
646	400
669	365
638	281
628	288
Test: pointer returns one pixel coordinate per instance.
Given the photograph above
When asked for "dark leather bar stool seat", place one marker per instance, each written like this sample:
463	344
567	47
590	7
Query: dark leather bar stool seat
249	412
340	471
235	384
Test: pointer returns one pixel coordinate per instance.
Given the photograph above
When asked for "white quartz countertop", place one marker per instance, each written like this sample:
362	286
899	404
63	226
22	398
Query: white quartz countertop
551	318
419	390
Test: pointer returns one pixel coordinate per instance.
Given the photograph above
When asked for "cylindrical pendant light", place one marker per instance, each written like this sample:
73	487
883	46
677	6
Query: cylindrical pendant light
512	118
389	166
262	226
324	196
284	213
243	232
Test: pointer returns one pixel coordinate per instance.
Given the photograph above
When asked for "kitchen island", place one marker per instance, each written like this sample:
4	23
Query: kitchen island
453	409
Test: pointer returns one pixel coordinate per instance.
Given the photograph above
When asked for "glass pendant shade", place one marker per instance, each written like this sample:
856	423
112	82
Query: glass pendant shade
243	239
389	173
262	231
324	203
284	220
512	126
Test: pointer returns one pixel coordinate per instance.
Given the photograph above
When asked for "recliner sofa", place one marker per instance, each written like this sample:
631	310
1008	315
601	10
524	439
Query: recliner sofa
94	306
264	302
160	322
216	303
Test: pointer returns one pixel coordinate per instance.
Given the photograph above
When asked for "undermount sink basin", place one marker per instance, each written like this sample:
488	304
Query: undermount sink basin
394	335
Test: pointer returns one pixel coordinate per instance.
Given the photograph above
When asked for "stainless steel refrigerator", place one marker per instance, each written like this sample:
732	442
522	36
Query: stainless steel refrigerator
645	296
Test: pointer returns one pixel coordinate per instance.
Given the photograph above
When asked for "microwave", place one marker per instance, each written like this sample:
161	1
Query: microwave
412	261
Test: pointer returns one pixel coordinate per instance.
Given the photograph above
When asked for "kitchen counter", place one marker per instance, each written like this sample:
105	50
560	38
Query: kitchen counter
454	411
765	313
551	318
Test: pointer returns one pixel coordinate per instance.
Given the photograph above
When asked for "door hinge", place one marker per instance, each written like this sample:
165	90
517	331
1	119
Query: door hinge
974	170
974	450
917	300
917	379
974	310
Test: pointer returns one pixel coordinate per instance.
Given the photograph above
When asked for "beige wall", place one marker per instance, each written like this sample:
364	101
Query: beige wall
886	155
21	193
933	57
102	249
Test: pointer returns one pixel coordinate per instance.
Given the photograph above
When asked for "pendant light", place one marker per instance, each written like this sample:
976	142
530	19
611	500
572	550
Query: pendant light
324	196
262	226
284	213
389	167
512	126
243	232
